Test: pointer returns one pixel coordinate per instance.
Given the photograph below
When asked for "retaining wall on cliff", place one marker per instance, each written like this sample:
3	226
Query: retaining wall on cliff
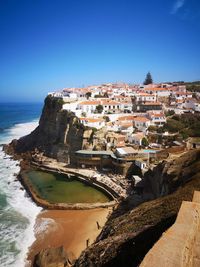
180	245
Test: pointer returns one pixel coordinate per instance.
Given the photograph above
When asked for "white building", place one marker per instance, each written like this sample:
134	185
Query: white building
141	164
157	118
141	123
88	106
181	95
93	122
145	97
192	104
159	92
136	138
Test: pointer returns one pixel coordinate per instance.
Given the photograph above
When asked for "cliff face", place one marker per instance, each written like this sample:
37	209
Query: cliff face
167	176
58	135
131	232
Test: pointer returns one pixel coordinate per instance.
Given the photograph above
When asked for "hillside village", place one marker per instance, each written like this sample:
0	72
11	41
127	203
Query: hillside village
137	122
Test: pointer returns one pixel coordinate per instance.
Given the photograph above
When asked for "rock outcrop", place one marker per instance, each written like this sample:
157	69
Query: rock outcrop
52	257
167	176
58	135
131	232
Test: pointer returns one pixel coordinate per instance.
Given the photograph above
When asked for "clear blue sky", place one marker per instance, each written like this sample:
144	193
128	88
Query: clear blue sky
48	44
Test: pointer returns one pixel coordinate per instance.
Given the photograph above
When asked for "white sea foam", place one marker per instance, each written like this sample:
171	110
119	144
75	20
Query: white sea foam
17	131
44	225
20	209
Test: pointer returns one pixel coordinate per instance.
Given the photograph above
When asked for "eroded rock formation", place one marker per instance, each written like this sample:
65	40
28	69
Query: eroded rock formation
59	133
52	257
167	176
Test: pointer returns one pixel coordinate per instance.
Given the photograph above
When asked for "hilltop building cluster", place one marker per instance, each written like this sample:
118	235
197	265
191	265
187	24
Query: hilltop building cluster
126	114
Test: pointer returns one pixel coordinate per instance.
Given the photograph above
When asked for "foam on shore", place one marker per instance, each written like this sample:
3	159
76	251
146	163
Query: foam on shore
18	213
17	131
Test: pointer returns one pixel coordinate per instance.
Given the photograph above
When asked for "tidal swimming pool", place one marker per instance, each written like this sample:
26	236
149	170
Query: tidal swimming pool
59	188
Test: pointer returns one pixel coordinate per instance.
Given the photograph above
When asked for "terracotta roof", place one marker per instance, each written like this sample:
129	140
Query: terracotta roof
183	93
120	144
109	102
152	114
152	104
156	89
142	119
89	103
125	124
126	118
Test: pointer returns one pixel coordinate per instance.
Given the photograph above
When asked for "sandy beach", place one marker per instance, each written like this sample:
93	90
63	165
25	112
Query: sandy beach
68	228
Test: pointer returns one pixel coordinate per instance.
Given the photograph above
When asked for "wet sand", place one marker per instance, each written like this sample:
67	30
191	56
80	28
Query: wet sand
68	228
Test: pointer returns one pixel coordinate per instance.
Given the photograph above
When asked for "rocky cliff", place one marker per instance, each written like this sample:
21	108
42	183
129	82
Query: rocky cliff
58	135
167	176
131	232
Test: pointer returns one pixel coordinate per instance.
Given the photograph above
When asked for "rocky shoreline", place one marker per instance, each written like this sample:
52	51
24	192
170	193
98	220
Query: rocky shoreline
137	221
142	225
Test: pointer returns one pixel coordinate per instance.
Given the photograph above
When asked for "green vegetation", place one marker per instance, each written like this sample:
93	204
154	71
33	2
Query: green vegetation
105	95
186	124
88	95
169	113
193	86
99	109
83	114
145	142
148	79
106	118
51	101
152	128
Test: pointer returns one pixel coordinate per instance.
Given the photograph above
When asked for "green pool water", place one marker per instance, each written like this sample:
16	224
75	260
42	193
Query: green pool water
57	188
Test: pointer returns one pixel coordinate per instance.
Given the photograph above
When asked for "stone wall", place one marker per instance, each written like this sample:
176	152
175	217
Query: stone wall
180	245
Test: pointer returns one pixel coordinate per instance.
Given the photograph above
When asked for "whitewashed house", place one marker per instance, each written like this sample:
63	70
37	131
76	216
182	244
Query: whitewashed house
141	123
88	106
93	122
157	118
192	104
136	138
145	97
181	95
159	92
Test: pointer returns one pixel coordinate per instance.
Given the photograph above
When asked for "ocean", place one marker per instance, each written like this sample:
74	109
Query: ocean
17	211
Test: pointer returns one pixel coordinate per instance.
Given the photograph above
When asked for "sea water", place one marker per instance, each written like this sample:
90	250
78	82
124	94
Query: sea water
59	188
17	211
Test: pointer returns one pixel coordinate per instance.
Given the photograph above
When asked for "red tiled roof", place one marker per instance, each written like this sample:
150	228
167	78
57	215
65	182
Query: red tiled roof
89	103
142	119
152	104
126	118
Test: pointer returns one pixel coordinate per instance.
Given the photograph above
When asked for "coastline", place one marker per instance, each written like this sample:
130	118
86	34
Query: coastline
68	228
17	229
